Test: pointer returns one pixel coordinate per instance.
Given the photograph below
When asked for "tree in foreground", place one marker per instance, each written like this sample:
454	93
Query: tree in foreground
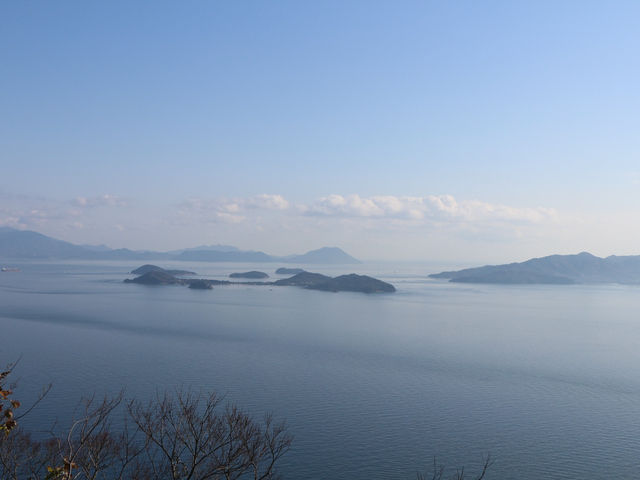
7	405
438	472
181	436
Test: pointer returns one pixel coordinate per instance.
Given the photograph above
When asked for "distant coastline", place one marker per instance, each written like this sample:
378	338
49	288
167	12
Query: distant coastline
27	244
582	268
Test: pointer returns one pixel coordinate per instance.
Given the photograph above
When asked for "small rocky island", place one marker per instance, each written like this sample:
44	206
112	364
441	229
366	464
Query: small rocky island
154	268
309	280
289	271
157	277
252	274
343	283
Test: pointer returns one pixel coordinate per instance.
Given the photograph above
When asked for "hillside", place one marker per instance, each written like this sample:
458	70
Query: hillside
554	269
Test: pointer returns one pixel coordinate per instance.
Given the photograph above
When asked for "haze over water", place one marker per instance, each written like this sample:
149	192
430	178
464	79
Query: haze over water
475	132
545	378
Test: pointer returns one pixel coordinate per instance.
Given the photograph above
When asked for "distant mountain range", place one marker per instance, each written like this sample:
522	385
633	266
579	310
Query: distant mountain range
554	269
17	244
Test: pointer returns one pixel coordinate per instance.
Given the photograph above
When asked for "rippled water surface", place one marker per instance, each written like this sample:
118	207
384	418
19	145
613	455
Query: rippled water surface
546	378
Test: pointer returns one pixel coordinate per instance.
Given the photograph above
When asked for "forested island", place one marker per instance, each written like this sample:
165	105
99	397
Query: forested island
155	275
160	276
342	283
152	268
289	271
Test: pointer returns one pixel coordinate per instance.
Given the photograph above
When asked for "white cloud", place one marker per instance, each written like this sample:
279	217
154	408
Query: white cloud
407	225
266	201
229	218
431	208
379	211
23	216
31	212
226	210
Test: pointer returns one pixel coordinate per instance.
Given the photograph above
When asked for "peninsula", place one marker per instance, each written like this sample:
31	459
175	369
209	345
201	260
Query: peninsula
582	268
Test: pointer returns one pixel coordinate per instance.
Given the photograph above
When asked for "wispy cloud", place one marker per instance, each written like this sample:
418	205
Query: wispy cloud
24	212
271	220
267	202
225	210
31	216
105	200
206	210
385	214
411	211
440	208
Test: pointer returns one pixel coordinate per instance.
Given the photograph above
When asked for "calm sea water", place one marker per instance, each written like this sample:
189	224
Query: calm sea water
545	378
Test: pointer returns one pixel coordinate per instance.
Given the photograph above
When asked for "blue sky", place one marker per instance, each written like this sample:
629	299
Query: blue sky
472	130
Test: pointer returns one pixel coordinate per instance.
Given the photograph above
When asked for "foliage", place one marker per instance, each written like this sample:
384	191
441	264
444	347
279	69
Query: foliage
8	405
180	436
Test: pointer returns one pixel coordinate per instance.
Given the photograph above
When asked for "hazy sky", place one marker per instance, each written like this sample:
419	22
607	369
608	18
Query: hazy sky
472	130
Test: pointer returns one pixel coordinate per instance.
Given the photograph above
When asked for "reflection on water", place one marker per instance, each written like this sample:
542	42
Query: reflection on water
545	378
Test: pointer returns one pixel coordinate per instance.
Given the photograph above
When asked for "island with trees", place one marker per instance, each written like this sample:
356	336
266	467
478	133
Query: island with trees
313	281
154	268
342	283
289	271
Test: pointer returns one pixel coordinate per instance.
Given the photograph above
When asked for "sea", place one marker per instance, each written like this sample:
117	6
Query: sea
545	379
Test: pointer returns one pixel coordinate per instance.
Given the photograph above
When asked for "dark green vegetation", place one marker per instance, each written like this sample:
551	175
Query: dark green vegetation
343	283
157	277
27	244
554	269
154	268
160	276
303	279
201	285
314	281
252	274
289	271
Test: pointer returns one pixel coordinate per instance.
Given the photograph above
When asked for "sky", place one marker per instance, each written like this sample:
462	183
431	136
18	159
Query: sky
415	130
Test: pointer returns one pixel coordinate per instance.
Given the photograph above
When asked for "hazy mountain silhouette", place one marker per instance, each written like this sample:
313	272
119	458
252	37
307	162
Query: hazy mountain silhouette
216	248
554	269
322	255
28	244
